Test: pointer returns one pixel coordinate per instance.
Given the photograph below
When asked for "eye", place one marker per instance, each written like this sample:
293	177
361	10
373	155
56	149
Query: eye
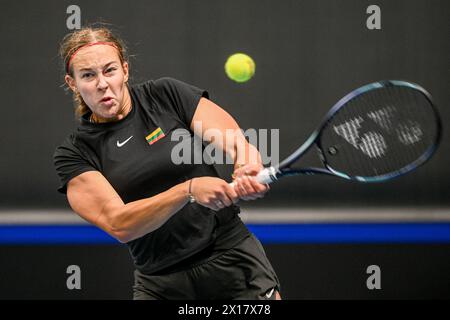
111	69
86	75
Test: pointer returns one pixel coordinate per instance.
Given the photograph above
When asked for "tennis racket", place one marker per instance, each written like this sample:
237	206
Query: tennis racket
375	133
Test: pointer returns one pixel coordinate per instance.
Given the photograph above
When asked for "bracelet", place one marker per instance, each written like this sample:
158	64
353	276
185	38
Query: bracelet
190	195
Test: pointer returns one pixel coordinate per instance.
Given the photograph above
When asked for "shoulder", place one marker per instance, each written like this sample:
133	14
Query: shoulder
166	82
154	88
66	152
172	96
68	144
70	160
70	147
159	83
161	86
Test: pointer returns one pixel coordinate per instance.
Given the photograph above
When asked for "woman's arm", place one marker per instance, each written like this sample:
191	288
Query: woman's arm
95	200
230	139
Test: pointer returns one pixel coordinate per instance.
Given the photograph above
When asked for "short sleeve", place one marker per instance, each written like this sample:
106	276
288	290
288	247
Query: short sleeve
69	163
181	98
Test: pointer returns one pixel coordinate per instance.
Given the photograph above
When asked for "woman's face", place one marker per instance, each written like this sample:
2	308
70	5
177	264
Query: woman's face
101	79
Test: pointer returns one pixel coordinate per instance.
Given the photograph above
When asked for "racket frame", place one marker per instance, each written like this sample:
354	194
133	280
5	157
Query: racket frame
271	174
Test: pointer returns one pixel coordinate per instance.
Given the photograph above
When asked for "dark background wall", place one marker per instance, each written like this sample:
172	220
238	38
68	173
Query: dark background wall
312	271
308	55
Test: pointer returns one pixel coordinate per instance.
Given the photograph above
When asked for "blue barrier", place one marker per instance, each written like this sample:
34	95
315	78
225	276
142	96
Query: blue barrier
267	233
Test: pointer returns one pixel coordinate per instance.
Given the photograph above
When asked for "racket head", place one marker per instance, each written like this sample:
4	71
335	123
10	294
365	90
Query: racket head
379	131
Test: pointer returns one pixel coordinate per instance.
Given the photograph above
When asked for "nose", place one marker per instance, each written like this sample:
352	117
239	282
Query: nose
102	84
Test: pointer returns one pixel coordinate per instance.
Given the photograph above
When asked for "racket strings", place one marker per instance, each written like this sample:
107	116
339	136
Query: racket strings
379	132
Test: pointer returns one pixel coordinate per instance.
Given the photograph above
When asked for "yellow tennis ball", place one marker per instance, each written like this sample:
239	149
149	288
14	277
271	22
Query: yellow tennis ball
240	67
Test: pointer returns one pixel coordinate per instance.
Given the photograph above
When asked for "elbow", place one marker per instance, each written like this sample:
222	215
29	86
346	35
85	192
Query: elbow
118	228
121	235
124	233
125	226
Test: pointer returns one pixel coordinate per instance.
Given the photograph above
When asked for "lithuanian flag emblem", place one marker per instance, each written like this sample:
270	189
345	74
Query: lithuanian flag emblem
155	136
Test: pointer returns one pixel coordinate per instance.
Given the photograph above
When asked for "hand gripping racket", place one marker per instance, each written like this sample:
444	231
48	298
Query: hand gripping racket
375	133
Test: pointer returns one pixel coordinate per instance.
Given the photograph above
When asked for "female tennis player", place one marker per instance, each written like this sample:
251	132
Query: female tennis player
180	221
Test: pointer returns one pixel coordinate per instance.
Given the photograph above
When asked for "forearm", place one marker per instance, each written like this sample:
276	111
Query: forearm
135	219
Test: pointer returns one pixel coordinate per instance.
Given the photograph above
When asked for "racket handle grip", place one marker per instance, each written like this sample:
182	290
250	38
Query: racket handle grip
267	175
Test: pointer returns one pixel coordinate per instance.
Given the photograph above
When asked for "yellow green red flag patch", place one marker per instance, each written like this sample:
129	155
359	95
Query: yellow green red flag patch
155	136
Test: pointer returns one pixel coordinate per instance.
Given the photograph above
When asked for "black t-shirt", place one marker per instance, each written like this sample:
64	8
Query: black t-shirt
134	154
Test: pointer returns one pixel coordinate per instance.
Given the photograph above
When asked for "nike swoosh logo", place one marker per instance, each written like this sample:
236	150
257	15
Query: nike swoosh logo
121	144
270	293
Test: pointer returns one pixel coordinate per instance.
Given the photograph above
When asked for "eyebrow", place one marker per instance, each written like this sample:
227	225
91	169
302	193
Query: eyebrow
86	69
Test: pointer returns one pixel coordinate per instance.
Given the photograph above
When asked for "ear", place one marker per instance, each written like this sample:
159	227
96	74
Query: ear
125	70
70	82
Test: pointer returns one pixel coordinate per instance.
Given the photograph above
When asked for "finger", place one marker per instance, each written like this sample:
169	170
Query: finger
231	194
221	199
247	183
259	187
242	189
236	188
220	203
225	200
249	193
239	188
215	205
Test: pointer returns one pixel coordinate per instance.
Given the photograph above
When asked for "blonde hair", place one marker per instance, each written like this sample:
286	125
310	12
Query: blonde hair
82	37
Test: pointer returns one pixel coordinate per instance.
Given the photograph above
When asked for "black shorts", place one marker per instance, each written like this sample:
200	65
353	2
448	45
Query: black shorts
242	272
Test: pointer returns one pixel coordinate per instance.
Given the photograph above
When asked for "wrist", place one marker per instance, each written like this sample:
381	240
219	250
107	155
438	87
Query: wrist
237	166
